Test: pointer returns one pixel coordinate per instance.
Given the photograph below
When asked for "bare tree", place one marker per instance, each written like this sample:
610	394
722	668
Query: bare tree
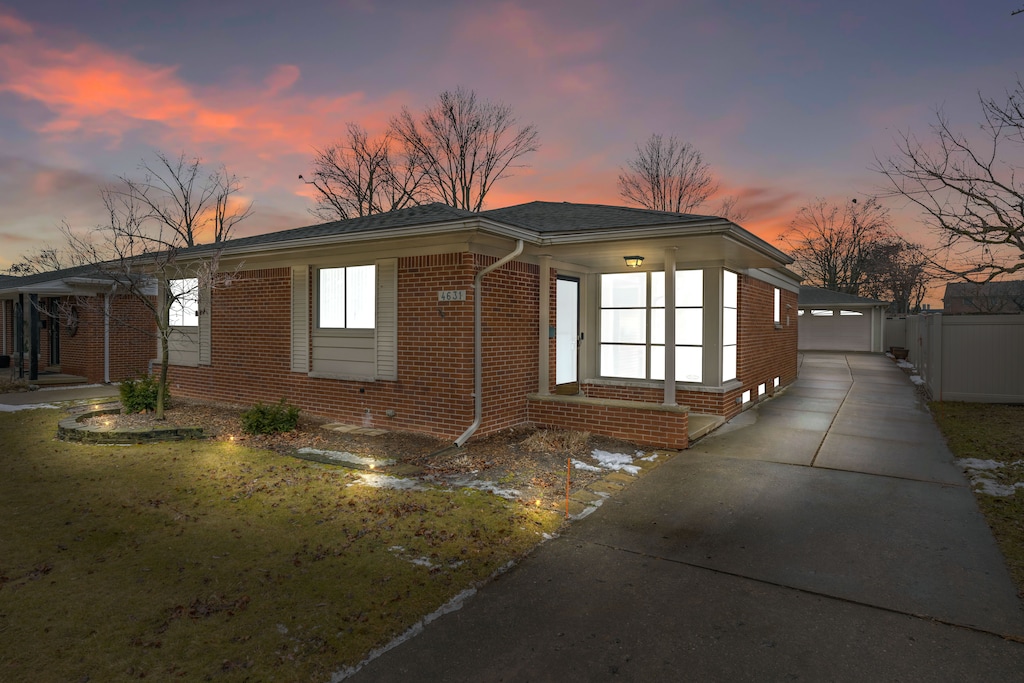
360	176
729	209
897	272
463	145
41	260
137	250
832	242
667	175
180	196
967	189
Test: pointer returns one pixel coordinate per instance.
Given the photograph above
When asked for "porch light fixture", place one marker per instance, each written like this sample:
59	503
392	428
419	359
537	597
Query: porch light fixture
634	261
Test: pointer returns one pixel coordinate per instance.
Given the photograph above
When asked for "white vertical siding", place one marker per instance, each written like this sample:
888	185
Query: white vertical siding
387	319
300	319
204	325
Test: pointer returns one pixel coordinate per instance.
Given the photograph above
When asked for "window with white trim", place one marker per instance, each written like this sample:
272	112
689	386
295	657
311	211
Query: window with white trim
778	306
633	325
730	324
347	298
184	305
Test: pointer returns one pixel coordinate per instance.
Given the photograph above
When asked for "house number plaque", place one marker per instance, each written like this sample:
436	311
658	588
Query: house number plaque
452	295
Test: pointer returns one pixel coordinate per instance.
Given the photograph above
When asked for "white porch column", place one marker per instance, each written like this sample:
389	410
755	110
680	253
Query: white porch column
670	326
544	325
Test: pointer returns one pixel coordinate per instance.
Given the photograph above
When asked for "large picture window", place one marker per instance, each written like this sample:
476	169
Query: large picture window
347	298
184	308
633	325
730	324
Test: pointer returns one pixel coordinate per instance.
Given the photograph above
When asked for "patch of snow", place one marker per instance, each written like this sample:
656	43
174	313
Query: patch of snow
467	482
384	481
976	464
344	456
4	408
639	454
906	365
615	461
991	487
422	562
650	458
917	379
580	465
396	548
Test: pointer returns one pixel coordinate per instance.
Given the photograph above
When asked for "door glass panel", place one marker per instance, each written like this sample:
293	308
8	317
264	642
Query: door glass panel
567	322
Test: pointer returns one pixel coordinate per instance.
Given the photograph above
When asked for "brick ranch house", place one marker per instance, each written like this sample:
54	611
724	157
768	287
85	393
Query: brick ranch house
453	323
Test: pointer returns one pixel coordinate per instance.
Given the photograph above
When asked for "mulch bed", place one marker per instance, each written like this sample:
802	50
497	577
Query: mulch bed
525	459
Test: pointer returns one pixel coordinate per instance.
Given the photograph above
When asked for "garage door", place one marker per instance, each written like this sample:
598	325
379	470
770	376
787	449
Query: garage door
834	330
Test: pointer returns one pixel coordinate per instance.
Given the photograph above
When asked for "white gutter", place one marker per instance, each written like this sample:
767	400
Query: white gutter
478	344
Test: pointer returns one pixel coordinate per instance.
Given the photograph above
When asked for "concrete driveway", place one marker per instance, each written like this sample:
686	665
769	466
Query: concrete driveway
825	535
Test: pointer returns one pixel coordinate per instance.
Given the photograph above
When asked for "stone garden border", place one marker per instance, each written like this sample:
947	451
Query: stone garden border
72	429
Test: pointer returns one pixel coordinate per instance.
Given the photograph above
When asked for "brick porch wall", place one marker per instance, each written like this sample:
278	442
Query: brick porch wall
652	425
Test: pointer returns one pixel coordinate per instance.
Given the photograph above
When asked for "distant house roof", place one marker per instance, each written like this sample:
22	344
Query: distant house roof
997	288
816	296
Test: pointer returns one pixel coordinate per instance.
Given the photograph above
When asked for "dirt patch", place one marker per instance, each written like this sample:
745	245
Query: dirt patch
524	463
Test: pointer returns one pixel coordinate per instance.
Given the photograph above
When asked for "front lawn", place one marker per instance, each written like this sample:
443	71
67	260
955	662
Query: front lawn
993	435
209	560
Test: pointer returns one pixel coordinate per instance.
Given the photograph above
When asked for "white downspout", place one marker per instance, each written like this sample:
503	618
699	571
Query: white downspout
478	344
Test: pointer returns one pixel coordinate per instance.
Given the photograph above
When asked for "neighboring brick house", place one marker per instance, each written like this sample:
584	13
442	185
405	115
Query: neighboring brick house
374	321
1006	296
82	326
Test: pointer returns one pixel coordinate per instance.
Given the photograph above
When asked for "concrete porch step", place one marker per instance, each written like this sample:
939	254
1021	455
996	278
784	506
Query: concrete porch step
701	424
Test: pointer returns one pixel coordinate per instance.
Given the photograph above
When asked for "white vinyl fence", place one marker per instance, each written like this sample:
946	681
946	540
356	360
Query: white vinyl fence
965	357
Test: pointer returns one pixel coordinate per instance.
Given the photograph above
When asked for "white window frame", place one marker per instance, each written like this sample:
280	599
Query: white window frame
730	302
348	277
183	304
778	306
648	345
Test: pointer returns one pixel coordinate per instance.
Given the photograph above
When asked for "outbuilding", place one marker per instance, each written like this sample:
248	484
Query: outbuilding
836	321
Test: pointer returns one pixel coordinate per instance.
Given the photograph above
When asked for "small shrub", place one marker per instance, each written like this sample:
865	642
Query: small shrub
270	419
139	395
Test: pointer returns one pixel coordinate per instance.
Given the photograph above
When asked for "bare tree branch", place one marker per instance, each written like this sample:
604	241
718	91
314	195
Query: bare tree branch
463	145
667	176
831	242
967	188
360	176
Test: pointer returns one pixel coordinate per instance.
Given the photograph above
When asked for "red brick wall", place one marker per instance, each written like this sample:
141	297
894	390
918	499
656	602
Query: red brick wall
765	352
132	338
664	429
433	393
250	324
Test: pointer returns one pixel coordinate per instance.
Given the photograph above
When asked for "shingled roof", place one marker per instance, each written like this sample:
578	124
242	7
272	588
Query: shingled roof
547	217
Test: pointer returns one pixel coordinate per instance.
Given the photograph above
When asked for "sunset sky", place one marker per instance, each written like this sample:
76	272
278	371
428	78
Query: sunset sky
788	100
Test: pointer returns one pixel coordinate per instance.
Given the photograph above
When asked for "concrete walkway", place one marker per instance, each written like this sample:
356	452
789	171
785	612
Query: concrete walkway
54	395
825	535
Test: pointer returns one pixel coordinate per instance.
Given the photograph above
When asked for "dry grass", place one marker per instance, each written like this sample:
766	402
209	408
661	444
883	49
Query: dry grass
993	432
568	442
216	561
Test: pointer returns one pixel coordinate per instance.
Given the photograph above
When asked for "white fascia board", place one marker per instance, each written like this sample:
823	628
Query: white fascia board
364	236
782	278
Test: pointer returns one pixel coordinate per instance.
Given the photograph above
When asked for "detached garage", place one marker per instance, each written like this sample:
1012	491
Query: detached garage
834	321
